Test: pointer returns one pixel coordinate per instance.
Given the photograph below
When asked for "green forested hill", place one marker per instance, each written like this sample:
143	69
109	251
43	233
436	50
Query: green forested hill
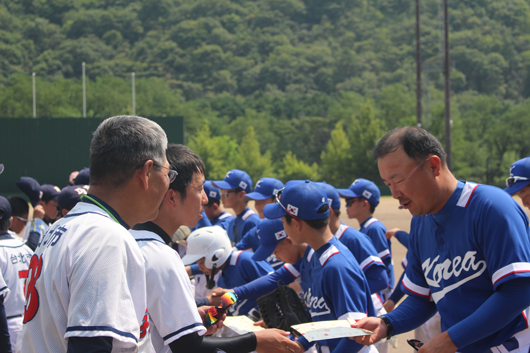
293	88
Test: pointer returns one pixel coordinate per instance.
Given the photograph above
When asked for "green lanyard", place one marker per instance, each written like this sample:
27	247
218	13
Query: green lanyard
100	205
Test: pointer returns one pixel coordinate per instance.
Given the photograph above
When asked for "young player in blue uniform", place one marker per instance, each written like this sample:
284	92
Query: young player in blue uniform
205	247
469	253
213	209
234	187
264	194
519	180
361	200
338	286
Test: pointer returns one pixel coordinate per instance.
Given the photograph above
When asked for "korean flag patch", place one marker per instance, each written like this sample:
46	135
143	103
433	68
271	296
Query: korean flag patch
367	194
292	210
280	235
242	185
213	194
329	202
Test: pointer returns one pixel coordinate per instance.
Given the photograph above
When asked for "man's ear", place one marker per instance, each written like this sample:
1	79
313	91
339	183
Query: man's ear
143	174
299	224
172	198
435	165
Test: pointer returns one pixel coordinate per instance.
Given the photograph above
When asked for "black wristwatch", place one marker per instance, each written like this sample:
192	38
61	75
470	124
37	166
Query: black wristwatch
389	327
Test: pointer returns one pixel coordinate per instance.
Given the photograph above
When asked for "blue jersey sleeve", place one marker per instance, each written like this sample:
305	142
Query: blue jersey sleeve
414	282
266	284
224	223
377	278
403	238
195	269
250	241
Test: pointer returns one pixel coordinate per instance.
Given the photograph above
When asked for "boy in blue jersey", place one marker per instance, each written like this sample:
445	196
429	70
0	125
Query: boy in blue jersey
234	187
213	209
468	257
519	180
338	287
361	200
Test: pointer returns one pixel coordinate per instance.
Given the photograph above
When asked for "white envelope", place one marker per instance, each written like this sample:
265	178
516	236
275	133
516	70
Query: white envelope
324	330
241	324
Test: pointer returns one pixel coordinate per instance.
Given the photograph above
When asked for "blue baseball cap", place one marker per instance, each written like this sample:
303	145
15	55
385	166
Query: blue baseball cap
70	196
270	233
265	188
235	179
211	191
5	208
519	176
31	188
83	178
301	200
362	188
333	195
49	192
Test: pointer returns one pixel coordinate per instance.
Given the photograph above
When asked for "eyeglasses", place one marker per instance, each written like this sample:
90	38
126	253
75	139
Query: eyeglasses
171	174
512	180
227	192
351	201
413	171
21	219
277	196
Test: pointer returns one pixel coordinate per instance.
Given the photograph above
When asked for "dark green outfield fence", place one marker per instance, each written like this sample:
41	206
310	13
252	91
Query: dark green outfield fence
49	149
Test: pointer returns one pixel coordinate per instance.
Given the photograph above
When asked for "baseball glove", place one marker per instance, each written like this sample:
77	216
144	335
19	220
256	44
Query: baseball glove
282	308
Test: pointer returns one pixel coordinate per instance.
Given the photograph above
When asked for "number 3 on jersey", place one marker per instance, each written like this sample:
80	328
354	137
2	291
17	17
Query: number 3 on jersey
32	297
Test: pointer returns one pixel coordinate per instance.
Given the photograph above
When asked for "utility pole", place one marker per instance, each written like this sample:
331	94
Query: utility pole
447	74
84	92
418	66
133	95
34	97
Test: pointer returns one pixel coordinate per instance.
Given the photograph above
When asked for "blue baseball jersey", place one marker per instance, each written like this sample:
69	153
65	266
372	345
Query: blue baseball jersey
223	220
360	246
242	223
251	241
459	256
376	232
239	270
338	290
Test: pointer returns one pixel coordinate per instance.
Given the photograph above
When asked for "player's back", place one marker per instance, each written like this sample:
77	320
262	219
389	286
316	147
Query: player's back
14	260
85	279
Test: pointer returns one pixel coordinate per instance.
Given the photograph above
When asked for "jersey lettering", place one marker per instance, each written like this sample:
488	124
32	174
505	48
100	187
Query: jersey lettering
32	297
144	328
23	275
52	236
317	306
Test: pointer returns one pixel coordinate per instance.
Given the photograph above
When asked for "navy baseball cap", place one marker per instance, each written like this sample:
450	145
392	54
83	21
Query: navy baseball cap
235	179
70	196
270	233
265	188
362	188
211	191
301	200
5	208
31	188
49	192
333	195
83	178
519	176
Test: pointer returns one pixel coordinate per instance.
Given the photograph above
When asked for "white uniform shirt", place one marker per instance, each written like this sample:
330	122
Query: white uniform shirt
172	309
86	279
35	225
14	262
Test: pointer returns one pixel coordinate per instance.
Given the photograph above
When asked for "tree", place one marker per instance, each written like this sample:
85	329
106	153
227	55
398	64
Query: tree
251	160
293	169
336	166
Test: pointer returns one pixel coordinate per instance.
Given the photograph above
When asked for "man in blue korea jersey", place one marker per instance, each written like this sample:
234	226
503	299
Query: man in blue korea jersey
469	253
338	287
234	187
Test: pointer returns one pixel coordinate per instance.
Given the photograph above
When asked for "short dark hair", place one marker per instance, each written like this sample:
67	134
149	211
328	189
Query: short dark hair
336	212
19	206
211	202
121	145
416	142
4	224
187	163
316	223
372	207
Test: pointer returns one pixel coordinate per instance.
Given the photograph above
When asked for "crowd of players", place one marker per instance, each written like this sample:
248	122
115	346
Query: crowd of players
102	266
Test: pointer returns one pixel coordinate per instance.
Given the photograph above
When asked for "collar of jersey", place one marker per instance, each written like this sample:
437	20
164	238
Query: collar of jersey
318	253
108	209
151	227
441	216
362	224
240	216
5	235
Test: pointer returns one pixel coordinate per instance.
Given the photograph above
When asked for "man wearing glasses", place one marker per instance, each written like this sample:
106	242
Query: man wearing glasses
468	258
517	183
86	285
234	187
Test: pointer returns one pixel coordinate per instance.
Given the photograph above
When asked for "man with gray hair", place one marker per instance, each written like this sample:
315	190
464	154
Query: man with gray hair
85	289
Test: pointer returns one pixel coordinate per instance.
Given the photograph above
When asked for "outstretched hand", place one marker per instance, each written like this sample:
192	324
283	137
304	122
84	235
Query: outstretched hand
374	324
